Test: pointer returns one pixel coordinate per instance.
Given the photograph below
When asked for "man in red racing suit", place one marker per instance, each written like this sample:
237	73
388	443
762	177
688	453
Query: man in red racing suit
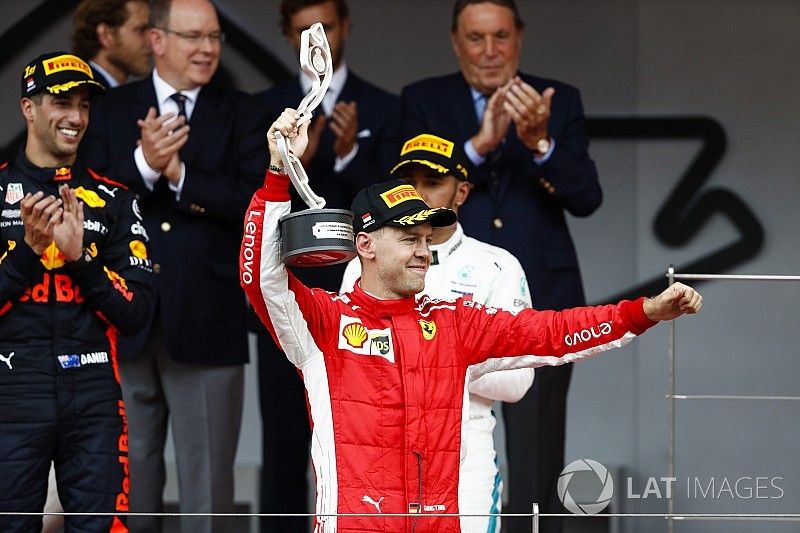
385	375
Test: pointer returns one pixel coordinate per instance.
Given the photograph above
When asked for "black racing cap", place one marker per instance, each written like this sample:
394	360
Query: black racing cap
57	72
438	153
395	203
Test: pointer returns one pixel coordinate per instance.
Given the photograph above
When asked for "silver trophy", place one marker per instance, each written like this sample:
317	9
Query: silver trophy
315	236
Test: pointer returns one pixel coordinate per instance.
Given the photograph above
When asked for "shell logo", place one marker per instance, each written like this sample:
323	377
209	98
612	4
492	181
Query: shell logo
52	257
355	334
138	249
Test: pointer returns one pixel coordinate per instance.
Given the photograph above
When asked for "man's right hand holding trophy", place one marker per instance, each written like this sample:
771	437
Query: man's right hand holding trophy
294	128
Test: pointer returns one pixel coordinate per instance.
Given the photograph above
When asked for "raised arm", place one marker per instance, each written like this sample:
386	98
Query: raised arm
289	310
557	337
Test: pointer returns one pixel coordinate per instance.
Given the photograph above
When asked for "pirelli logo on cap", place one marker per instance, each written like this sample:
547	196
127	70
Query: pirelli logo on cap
400	194
67	62
429	143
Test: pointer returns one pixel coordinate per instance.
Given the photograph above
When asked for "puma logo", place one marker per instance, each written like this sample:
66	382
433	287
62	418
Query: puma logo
377	504
7	360
110	192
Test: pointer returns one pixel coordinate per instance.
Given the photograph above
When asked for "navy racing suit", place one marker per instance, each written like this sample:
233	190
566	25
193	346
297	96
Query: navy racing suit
60	396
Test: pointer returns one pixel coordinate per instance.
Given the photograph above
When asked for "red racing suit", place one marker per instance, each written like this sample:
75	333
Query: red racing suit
385	379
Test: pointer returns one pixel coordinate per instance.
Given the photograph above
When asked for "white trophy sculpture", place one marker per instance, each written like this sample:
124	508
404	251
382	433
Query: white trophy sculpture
315	236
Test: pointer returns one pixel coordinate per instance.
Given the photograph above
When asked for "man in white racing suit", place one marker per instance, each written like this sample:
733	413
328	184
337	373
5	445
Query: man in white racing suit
468	268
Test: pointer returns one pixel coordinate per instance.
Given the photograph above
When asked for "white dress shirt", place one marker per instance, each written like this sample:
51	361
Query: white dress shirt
166	104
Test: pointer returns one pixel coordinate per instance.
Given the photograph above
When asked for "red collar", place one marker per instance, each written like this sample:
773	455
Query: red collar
381	308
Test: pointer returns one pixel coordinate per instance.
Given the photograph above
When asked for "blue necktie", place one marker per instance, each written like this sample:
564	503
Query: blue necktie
180	99
480	106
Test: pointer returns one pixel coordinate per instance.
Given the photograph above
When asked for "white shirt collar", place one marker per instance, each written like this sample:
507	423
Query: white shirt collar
446	249
164	90
338	79
112	81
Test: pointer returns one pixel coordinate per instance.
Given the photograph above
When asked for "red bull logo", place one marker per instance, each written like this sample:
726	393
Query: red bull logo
52	257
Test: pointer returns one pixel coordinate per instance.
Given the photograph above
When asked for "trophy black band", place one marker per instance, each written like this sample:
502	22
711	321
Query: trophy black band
314	236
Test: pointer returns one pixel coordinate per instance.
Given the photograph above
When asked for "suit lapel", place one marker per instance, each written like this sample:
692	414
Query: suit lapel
204	116
462	108
294	94
349	93
350	90
144	99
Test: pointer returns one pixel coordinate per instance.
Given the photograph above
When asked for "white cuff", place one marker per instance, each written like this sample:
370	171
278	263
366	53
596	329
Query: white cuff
179	187
341	163
476	158
149	176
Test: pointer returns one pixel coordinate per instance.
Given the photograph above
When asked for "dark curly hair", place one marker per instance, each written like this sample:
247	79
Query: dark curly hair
89	14
290	7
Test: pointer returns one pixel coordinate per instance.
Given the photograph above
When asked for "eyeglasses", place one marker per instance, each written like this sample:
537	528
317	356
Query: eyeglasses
216	37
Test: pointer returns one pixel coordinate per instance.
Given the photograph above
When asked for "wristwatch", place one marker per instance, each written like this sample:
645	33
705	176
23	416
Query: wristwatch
542	146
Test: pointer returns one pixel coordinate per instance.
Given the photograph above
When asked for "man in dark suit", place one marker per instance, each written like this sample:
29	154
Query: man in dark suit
354	137
186	149
527	138
111	34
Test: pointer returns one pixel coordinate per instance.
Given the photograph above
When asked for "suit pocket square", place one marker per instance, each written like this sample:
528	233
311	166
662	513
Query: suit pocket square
363	134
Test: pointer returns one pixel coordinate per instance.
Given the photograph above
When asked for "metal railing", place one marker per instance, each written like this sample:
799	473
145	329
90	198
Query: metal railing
673	276
535	516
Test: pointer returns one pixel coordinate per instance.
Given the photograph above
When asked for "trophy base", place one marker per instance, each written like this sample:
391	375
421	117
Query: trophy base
317	237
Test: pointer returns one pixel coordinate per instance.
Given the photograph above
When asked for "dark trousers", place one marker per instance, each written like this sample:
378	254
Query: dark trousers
535	447
72	417
285	442
203	406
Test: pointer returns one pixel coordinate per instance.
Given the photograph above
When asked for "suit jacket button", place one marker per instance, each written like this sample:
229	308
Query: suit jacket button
166	226
157	268
498	223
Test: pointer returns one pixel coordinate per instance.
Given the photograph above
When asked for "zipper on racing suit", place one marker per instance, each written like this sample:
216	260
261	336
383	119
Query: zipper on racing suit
418	455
